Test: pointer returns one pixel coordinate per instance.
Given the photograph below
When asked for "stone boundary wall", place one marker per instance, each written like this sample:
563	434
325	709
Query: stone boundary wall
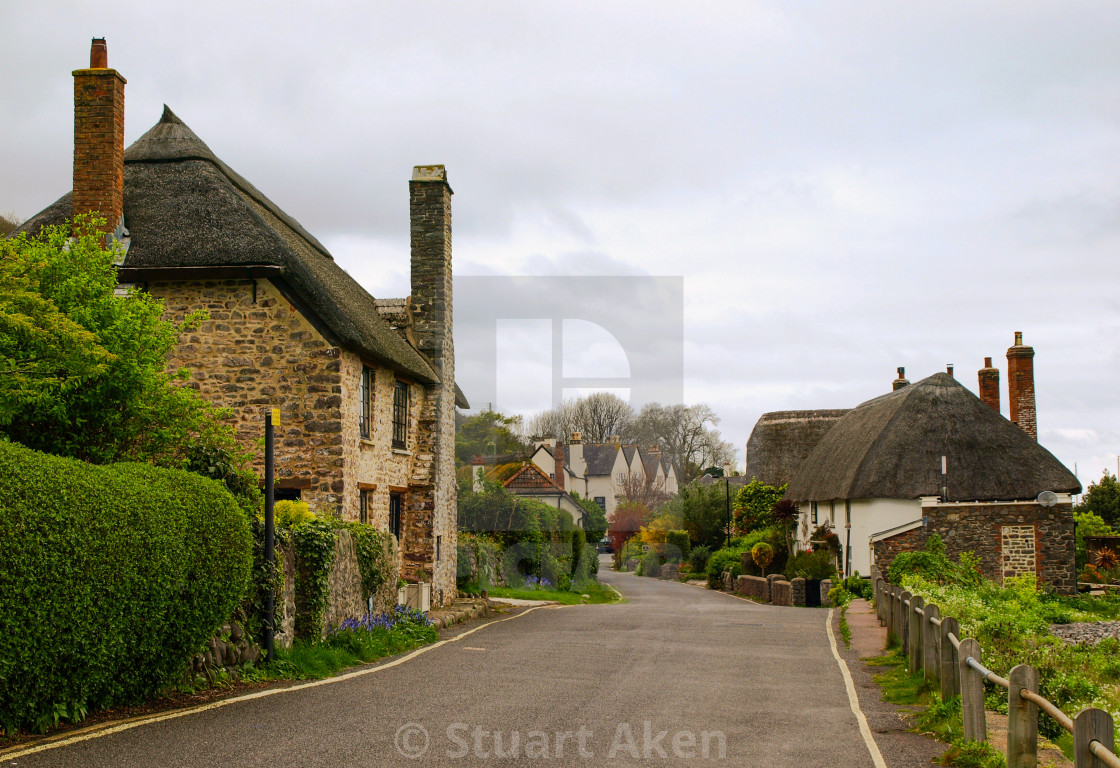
781	593
980	529
826	587
753	586
797	586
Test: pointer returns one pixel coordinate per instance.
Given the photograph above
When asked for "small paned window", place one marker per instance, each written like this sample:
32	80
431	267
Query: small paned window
400	415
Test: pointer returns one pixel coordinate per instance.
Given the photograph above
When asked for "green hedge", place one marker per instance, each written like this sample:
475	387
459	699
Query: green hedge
677	546
113	577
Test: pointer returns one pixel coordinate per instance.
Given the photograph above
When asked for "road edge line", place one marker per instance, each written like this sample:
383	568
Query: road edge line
853	697
111	728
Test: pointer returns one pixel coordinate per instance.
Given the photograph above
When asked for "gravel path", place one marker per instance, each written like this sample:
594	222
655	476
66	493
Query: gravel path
1091	632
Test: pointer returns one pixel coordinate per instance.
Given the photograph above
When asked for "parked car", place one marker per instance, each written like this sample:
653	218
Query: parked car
605	546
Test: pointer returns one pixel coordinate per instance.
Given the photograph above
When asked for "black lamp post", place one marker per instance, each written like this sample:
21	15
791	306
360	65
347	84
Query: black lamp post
727	496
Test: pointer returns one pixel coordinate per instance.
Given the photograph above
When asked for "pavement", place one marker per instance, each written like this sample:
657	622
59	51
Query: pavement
675	675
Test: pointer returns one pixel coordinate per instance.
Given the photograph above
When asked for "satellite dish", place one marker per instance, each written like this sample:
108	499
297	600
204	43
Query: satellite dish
1047	498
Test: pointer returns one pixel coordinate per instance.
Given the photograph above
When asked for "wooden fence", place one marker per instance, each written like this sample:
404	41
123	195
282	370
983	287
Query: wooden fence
933	646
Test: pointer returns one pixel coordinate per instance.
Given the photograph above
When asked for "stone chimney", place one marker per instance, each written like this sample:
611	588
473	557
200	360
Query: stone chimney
99	139
901	381
989	384
1020	386
558	454
432	490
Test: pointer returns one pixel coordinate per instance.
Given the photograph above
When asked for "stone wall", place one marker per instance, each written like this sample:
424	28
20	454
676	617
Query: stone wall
781	593
797	589
754	587
257	352
1000	535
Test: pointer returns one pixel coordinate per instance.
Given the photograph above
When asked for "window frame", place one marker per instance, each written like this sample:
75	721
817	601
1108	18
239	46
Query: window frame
363	505
395	500
365	408
401	398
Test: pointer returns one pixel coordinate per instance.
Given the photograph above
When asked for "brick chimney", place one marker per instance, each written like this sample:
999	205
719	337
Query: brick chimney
901	381
949	370
1020	386
989	384
558	454
99	139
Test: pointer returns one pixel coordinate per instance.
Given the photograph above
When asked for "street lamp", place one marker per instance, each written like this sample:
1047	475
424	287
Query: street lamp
727	496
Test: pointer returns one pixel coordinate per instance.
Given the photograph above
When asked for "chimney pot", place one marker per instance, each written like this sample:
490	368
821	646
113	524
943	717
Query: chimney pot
949	370
98	54
901	381
1018	338
987	362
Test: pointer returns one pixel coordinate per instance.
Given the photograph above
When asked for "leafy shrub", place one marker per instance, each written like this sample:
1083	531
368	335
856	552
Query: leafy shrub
859	587
811	565
724	560
698	559
579	544
113	577
677	545
933	564
289	514
651	564
1088	524
377	560
762	554
314	544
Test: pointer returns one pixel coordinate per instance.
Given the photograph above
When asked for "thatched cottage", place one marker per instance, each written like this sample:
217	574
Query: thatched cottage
932	457
366	388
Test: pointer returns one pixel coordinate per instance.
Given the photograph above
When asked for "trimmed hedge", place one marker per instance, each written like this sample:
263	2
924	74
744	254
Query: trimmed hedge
112	577
678	546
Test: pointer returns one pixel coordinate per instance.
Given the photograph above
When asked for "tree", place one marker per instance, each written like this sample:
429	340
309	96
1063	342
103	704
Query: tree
82	369
762	554
754	504
487	434
685	432
626	520
8	224
703	512
598	417
595	521
647	491
785	514
1102	498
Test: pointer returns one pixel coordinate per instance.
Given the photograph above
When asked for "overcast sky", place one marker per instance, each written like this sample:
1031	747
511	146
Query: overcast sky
844	187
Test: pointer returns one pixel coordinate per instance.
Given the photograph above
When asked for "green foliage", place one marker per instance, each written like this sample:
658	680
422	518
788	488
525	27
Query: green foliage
703	513
113	577
810	565
82	370
595	521
754	504
677	546
723	560
487	434
698	559
860	587
579	550
762	554
314	545
288	513
651	564
1088	524
1102	499
933	564
264	579
486	556
375	552
839	596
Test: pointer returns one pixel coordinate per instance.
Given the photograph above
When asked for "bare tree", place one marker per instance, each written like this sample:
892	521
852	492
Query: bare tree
8	223
644	490
598	417
686	432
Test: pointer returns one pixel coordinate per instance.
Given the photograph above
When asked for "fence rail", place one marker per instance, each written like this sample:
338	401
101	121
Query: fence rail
933	646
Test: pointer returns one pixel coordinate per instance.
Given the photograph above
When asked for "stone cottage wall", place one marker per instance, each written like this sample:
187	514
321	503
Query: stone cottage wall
255	352
1009	539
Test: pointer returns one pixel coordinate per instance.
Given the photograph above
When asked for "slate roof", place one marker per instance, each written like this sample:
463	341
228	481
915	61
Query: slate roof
184	207
600	457
891	447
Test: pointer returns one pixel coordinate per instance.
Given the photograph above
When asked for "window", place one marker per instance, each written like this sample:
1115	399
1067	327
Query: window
286	494
395	515
365	392
602	502
400	415
363	506
814	513
832	512
439	545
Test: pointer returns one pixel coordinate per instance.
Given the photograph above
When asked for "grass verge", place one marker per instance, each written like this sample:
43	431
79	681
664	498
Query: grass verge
596	591
937	718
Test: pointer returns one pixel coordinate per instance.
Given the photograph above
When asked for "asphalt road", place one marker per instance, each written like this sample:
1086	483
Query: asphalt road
675	676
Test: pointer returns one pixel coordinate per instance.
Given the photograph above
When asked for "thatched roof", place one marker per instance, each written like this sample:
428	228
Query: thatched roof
186	208
782	440
891	447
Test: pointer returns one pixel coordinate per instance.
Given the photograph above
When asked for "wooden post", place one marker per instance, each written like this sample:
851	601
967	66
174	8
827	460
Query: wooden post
1091	725
931	660
1022	718
903	620
950	670
880	607
972	693
914	631
888	616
